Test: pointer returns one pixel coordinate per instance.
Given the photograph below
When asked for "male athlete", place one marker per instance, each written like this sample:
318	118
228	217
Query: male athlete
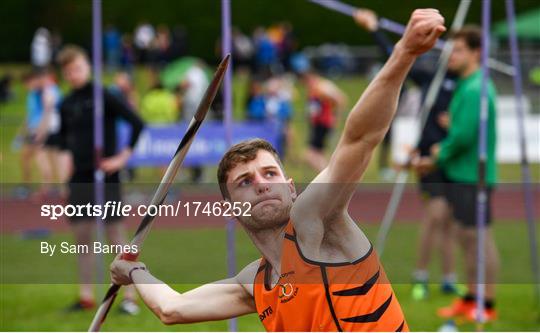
457	155
318	271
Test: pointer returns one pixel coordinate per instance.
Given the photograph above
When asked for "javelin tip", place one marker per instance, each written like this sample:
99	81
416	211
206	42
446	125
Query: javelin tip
225	61
213	88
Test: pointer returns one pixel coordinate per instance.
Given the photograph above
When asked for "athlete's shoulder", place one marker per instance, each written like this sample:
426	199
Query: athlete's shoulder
246	277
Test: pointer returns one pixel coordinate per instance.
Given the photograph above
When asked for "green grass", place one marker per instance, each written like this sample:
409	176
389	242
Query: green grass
187	258
13	113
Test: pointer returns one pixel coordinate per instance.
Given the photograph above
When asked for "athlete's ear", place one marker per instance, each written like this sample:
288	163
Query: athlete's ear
292	188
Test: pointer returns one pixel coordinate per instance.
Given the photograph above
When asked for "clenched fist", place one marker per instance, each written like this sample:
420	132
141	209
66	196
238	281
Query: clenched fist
424	28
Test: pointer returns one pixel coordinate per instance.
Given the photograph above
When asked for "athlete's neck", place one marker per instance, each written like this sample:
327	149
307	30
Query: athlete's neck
269	242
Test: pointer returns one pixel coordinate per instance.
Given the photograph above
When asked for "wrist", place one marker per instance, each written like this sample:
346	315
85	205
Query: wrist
135	269
403	54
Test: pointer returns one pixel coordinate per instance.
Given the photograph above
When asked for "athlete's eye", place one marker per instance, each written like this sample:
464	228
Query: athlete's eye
244	182
270	174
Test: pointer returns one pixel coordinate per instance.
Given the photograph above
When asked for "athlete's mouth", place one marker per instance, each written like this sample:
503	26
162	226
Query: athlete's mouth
265	199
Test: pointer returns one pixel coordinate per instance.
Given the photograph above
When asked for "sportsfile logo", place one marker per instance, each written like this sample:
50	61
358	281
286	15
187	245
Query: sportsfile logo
119	209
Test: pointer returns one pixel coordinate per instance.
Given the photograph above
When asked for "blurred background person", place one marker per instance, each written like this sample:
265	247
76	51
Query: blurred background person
279	108
242	50
59	160
41	48
77	137
124	89
143	36
30	145
40	132
256	101
457	155
127	56
112	46
192	89
6	90
325	102
288	45
266	54
160	47
159	106
179	43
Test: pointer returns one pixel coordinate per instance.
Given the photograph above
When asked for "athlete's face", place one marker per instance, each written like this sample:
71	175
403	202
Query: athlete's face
262	184
462	57
77	72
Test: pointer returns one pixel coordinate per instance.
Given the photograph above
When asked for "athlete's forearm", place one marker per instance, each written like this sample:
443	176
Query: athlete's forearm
157	295
371	116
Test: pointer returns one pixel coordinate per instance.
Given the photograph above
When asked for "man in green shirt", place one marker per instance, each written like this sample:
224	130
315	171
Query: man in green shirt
457	157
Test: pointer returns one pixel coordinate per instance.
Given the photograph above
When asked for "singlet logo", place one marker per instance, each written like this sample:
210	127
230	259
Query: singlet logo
267	312
287	292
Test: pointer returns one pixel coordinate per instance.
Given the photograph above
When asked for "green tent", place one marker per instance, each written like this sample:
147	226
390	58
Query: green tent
527	26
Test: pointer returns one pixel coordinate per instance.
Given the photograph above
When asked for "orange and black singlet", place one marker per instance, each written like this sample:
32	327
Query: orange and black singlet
316	296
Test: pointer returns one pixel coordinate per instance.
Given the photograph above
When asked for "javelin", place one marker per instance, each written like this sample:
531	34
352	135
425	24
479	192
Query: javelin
163	188
399	29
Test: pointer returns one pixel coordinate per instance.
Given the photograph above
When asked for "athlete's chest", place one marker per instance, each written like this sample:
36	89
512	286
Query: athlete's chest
291	284
295	301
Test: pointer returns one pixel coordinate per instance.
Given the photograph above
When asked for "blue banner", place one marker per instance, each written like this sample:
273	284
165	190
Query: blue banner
157	144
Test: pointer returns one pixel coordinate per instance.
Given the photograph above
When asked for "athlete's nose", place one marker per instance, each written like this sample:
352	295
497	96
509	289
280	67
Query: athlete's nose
261	184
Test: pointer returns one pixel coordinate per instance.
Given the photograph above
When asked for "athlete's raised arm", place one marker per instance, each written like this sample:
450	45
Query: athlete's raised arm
213	301
367	123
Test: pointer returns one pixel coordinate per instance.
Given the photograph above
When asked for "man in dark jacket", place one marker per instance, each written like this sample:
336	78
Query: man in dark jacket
77	137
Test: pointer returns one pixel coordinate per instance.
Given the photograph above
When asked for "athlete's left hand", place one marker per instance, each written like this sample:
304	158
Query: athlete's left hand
424	28
114	163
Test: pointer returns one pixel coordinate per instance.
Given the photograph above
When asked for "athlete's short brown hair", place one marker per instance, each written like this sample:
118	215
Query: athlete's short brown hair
69	53
471	34
242	152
